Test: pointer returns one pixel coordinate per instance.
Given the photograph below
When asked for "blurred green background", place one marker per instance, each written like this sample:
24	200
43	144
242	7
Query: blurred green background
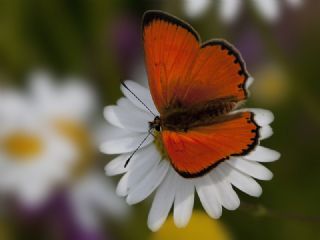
100	40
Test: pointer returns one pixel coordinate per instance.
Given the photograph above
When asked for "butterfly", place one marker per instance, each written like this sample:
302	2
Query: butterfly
196	88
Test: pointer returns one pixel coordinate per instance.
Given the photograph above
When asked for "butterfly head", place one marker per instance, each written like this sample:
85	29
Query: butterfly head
155	124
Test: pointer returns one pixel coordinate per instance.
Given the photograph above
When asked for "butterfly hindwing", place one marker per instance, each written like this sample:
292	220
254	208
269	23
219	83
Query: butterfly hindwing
195	152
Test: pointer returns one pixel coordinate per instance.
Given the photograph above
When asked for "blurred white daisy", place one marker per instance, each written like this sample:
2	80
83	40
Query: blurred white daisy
230	9
149	171
46	142
70	108
33	157
67	107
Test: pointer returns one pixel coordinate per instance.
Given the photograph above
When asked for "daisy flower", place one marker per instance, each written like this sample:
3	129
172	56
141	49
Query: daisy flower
150	170
230	9
46	143
34	159
69	108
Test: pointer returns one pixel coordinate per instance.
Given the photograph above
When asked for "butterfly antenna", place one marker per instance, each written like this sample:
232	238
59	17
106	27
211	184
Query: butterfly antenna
123	84
128	160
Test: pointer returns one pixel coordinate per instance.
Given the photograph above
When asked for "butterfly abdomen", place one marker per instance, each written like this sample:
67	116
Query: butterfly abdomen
181	118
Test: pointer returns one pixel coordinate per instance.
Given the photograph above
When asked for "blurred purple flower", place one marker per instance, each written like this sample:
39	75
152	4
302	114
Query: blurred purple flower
251	47
59	216
125	34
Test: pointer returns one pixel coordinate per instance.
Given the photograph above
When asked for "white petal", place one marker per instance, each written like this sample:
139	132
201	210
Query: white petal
208	196
126	144
132	118
194	8
139	113
162	202
265	132
116	166
261	116
142	93
35	195
108	132
183	203
262	154
148	184
251	168
269	9
225	193
249	82
122	187
229	9
78	97
241	180
143	166
73	99
110	115
13	108
42	87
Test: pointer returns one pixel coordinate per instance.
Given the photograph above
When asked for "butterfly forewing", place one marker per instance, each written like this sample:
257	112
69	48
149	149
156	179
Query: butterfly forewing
218	72
171	47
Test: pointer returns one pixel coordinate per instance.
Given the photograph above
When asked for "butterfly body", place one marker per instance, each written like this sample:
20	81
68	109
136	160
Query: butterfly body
179	118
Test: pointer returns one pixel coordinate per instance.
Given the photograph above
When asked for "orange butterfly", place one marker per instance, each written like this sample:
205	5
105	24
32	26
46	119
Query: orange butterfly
195	86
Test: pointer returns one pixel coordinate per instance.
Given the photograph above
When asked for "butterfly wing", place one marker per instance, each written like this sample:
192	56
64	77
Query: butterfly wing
171	47
218	72
183	72
197	151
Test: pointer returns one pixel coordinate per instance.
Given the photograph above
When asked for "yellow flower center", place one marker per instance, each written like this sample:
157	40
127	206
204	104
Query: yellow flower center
22	146
79	136
159	145
201	226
